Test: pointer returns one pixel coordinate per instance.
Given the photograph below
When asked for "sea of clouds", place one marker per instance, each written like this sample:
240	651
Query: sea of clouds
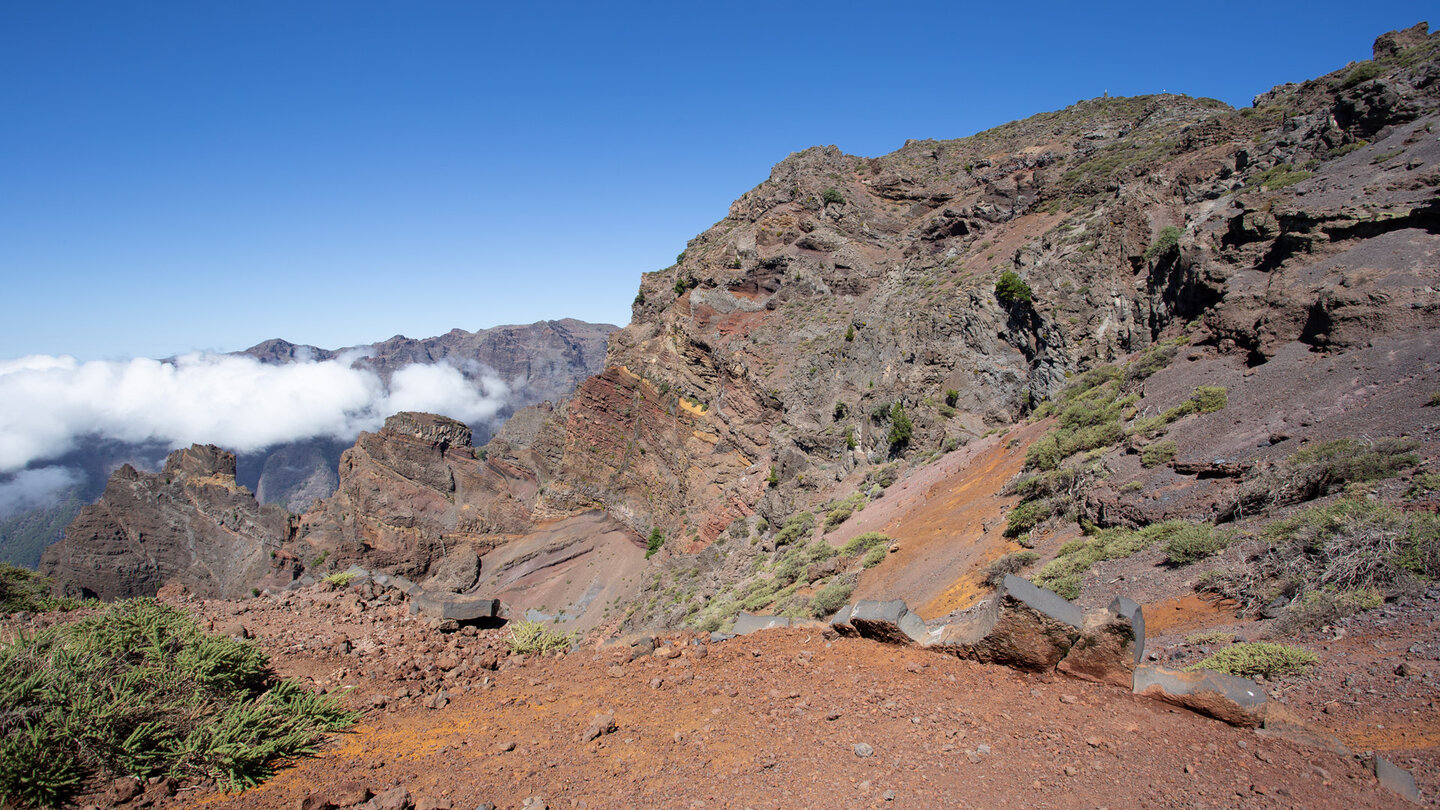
49	404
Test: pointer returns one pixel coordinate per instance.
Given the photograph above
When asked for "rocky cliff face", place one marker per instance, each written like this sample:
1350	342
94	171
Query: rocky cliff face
189	524
412	493
842	286
538	362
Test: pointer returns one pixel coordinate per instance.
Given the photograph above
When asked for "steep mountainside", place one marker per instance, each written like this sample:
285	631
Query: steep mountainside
189	524
766	369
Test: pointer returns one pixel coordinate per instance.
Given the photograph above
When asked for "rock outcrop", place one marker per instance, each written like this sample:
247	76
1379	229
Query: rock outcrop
190	525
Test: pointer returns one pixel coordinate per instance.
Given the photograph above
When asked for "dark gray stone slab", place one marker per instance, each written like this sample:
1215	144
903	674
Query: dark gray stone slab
1394	778
357	574
717	636
1127	608
459	608
1044	601
1237	701
840	622
749	623
405	586
890	621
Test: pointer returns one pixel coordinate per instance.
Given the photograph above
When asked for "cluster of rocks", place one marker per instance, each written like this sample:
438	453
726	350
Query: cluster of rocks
1029	628
361	797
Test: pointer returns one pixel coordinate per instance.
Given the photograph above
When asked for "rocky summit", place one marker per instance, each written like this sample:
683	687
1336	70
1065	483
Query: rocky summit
1118	421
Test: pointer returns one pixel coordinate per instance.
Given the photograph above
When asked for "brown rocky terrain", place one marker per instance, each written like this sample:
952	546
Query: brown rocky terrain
189	524
1026	351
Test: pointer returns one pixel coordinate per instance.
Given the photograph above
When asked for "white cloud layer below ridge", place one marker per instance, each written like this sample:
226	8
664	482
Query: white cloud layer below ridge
237	402
29	488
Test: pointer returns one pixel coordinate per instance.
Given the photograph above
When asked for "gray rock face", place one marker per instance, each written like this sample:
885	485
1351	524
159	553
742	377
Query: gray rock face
746	623
190	524
1237	701
1396	779
890	622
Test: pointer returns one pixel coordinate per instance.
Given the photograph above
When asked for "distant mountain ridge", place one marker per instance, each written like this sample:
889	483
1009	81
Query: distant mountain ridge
538	362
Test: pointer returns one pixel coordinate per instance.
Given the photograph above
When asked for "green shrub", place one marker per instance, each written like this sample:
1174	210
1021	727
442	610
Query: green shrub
1326	606
864	542
1280	176
831	598
1152	360
1064	573
884	475
535	637
1353	544
794	528
842	510
320	559
901	429
874	556
1345	149
1210	637
1248	659
1363	72
1167	241
1025	516
952	396
1011	290
339	579
1194	542
850	333
832	196
654	542
1153	455
139	689
23	590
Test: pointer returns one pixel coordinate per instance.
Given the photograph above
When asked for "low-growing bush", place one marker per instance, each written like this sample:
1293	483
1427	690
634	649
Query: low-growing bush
874	556
1063	574
339	579
1012	563
1323	468
140	690
1194	542
863	543
1153	455
1167	241
23	590
1326	606
842	510
832	597
795	528
1025	516
1248	659
654	542
535	637
1210	637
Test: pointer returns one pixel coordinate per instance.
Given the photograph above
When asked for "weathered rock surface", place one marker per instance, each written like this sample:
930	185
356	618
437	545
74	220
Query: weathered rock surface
189	524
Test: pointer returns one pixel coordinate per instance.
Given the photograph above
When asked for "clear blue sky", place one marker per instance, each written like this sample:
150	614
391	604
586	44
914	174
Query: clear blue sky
205	175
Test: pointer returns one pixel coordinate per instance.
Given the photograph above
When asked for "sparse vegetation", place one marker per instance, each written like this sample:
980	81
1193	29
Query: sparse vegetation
1012	563
654	542
874	556
1063	574
535	637
1280	176
1210	637
1248	659
1323	468
795	528
842	510
139	689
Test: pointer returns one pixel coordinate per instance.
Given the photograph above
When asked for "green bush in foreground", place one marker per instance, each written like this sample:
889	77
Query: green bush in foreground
23	590
1248	659
535	637
863	543
139	689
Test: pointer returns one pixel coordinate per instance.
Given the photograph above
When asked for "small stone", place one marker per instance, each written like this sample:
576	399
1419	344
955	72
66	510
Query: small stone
1069	699
507	746
1402	669
863	750
602	724
349	794
396	798
888	795
1094	742
1071	770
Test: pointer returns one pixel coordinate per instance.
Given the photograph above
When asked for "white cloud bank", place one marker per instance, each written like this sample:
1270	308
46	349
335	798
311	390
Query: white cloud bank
31	488
237	402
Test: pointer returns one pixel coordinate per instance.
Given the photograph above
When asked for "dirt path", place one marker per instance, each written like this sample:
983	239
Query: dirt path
776	720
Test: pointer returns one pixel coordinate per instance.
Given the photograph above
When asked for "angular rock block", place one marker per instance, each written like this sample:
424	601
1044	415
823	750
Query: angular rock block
1395	779
749	623
357	574
890	622
404	585
1237	701
1110	645
1045	602
840	622
459	608
1130	610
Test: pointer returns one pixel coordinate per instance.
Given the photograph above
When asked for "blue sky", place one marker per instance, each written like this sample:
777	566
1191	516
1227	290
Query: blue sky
181	176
